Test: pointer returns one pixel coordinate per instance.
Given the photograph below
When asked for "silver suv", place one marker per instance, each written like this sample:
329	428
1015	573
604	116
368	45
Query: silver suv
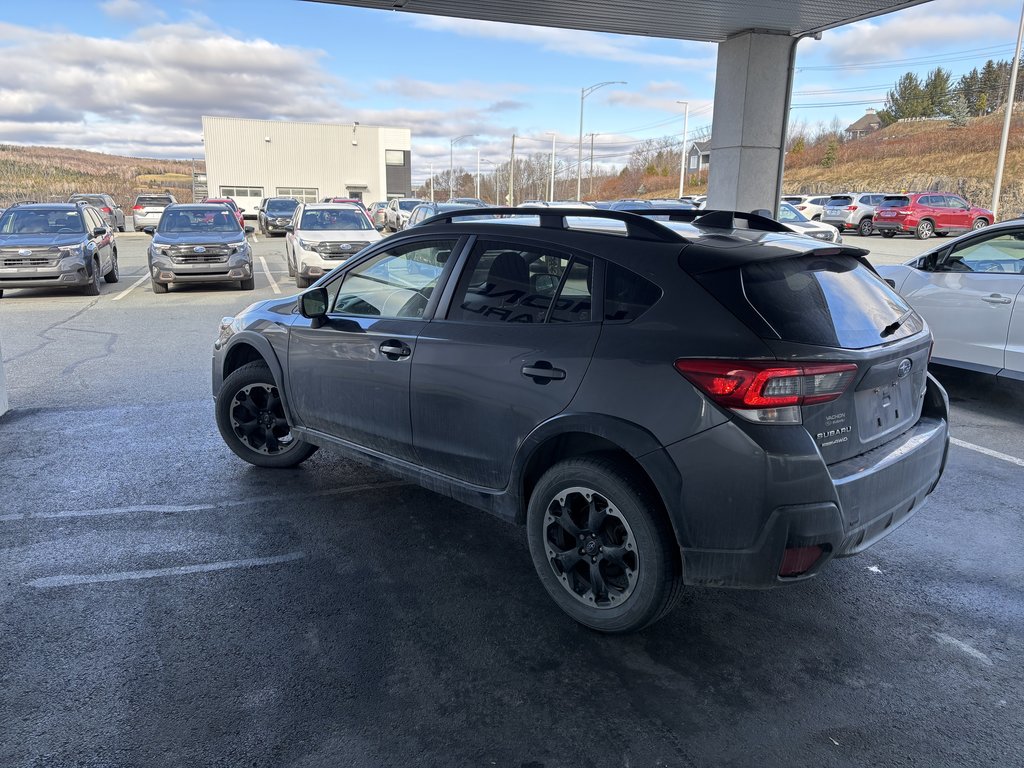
855	210
105	204
149	208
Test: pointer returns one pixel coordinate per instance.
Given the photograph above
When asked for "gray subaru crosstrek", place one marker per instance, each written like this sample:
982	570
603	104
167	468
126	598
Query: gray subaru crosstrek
56	245
661	403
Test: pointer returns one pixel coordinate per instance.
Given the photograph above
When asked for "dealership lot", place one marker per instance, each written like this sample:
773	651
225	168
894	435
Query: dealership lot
165	604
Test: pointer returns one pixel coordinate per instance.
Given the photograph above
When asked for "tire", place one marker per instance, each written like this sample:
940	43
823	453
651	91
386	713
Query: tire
291	269
628	521
301	282
979	224
159	287
888	233
816	217
92	288
1	293
114	274
265	439
120	228
247	285
865	227
925	229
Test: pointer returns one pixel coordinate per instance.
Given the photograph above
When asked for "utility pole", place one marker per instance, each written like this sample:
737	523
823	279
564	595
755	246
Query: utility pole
512	175
591	193
431	182
1001	161
682	150
584	92
478	173
551	191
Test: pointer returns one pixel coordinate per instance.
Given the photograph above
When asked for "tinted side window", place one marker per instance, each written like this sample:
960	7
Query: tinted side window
1001	253
627	295
511	283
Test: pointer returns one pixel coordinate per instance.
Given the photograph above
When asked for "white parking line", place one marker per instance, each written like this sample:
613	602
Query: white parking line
270	277
960	645
988	452
253	236
97	578
131	287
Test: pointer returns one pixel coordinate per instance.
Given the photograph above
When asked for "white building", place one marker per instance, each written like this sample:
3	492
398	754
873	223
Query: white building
248	160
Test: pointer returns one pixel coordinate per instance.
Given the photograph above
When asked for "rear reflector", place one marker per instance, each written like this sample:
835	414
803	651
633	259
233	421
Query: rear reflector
748	384
799	560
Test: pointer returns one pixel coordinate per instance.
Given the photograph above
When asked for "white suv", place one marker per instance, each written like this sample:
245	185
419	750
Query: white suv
322	236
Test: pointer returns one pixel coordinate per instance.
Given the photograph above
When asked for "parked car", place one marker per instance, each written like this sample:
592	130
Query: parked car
199	243
230	204
324	235
396	216
929	213
854	211
796	221
352	200
629	204
106	205
970	290
811	206
148	209
736	407
699	201
476	202
424	211
275	215
376	213
56	245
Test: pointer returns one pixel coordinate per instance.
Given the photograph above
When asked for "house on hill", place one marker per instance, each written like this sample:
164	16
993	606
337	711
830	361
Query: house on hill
867	124
698	157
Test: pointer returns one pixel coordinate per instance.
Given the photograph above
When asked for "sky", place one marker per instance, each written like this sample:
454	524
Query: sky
134	77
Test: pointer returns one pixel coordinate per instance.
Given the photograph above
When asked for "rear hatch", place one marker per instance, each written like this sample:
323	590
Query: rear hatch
839	206
857	352
893	208
150	206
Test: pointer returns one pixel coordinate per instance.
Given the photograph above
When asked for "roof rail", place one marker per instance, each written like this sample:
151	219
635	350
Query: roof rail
554	218
718	219
16	203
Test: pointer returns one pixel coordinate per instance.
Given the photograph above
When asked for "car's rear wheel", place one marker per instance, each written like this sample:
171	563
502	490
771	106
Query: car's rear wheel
865	228
925	229
92	288
601	546
120	228
816	217
251	419
887	233
114	274
159	287
979	224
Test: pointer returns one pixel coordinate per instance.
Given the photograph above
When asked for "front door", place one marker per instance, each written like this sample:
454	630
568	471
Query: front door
510	353
349	378
968	300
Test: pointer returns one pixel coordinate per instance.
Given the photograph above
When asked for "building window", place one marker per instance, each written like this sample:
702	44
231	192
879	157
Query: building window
394	157
234	192
693	162
302	194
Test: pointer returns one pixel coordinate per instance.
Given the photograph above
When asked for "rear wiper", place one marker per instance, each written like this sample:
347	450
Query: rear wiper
891	328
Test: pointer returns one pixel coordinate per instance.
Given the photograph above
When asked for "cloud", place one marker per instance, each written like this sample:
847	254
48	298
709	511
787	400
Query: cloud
571	42
131	10
425	90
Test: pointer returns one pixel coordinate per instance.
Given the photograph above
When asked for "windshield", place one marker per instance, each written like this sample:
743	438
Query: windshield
197	220
281	207
788	213
328	219
41	221
408	205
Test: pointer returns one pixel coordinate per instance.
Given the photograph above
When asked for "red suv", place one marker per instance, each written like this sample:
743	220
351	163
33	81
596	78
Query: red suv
928	213
230	204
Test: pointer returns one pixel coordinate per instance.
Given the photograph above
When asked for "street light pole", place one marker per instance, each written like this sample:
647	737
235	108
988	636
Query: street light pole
584	92
551	190
1006	122
478	173
451	162
682	150
431	182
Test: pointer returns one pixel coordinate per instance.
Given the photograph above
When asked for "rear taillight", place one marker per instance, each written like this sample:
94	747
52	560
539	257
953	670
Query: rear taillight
767	392
136	207
105	209
851	207
801	207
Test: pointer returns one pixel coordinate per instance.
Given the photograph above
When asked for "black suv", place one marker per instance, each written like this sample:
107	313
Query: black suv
56	245
275	214
720	402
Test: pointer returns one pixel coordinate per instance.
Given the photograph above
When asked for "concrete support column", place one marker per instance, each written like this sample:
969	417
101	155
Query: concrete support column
748	131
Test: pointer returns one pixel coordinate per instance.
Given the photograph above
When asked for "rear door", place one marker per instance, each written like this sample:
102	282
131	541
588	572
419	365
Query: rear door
349	378
968	299
510	353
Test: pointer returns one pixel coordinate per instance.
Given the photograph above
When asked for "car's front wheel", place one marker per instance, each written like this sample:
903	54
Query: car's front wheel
979	224
251	419
92	288
301	282
602	546
114	274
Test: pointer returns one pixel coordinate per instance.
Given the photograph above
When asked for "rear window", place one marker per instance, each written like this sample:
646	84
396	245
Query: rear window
408	205
153	201
895	202
832	301
840	200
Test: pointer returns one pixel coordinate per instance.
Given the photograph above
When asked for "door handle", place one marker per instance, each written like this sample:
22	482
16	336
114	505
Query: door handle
995	298
394	350
542	372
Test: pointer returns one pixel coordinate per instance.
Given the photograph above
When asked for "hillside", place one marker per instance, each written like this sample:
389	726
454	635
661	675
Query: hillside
53	173
915	156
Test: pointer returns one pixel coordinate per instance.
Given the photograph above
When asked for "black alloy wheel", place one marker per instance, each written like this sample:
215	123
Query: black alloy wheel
866	227
602	546
92	288
114	274
252	421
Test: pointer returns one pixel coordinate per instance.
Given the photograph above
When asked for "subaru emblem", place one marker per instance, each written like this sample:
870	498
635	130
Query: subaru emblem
904	368
345	246
24	252
199	249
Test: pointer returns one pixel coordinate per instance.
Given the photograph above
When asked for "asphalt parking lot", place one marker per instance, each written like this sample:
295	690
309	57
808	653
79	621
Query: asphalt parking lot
164	604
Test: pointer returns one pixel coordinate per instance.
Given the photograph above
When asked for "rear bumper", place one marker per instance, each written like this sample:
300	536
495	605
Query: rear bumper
893	226
743	504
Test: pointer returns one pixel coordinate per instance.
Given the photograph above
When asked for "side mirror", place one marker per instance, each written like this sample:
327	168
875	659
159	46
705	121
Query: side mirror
763	212
313	305
99	232
250	230
241	210
289	228
149	230
379	227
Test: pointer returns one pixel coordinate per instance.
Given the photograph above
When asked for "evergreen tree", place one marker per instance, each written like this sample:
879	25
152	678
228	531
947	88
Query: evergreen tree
907	99
959	111
831	153
969	86
938	87
991	87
